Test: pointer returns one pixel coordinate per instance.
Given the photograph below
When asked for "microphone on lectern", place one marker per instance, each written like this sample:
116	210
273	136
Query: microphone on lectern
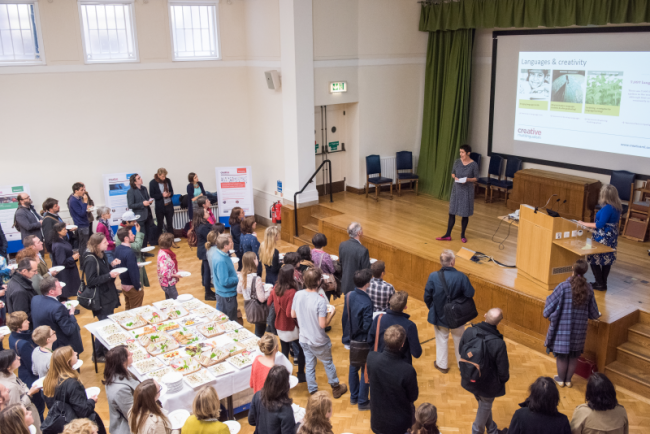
549	199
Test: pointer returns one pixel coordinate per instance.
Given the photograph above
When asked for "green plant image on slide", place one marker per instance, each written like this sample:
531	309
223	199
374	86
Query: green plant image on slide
567	91
604	88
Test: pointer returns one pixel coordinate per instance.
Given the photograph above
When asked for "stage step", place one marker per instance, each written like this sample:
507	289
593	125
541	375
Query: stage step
634	355
316	216
309	230
629	377
639	334
302	239
644	317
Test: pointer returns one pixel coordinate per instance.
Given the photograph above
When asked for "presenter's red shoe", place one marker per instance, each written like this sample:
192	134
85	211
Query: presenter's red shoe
464	240
443	239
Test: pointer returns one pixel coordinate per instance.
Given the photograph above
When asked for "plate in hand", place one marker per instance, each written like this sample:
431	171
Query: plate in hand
57	268
120	270
148	249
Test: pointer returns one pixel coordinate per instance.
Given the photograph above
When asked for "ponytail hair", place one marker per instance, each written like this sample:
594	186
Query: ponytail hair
212	239
426	418
579	285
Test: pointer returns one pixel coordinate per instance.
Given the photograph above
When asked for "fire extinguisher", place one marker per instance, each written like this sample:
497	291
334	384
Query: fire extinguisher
276	212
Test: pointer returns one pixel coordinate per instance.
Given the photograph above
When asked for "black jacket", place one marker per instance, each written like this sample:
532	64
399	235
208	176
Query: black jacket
27	221
108	297
273	270
49	220
62	255
157	194
190	196
394	390
201	238
493	382
268	422
353	257
525	421
360	307
235	231
73	393
19	295
135	197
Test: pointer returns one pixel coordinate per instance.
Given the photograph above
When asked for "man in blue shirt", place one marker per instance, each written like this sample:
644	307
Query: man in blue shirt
78	207
131	288
225	277
357	319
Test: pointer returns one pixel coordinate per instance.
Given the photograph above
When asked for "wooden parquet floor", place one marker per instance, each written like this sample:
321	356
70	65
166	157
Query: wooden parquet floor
456	407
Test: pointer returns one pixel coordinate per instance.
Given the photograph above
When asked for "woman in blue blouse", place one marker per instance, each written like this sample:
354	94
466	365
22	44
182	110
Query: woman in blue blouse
605	231
248	240
194	191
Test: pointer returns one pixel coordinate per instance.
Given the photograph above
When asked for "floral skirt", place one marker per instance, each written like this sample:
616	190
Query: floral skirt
607	235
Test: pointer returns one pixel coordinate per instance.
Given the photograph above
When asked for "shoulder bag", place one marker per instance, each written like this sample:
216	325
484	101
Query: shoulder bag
458	311
327	283
256	311
358	349
89	297
59	415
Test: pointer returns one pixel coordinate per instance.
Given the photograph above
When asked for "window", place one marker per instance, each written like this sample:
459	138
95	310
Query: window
20	42
108	31
194	30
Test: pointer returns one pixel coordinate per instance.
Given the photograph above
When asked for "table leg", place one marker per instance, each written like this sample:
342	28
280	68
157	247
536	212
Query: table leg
92	339
229	408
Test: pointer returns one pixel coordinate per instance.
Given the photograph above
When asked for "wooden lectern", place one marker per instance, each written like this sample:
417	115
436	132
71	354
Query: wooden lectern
543	257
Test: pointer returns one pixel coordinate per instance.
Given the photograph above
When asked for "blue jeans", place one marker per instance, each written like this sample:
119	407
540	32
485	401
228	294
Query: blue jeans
227	305
324	354
358	387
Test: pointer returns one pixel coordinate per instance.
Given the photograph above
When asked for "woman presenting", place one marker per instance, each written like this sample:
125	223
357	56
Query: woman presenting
462	193
605	231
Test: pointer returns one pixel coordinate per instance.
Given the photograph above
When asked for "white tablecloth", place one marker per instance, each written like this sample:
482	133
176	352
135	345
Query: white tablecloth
226	385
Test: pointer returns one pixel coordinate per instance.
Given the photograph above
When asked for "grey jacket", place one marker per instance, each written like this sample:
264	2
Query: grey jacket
27	221
135	197
120	401
353	256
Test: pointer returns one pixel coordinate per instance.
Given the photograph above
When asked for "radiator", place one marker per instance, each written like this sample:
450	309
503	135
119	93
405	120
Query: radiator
388	167
181	218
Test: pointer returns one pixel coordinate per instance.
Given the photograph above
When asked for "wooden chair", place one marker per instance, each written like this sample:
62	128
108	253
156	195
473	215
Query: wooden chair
494	169
638	214
404	161
373	167
512	166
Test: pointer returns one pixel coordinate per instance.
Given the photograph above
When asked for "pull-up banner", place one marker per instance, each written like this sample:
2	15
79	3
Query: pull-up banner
234	188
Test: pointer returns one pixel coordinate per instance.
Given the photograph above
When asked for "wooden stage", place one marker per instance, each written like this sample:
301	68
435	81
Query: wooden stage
402	232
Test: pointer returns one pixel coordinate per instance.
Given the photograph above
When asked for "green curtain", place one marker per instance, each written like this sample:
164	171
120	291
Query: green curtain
446	108
472	14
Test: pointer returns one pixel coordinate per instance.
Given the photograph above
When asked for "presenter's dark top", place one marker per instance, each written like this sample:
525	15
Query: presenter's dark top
462	195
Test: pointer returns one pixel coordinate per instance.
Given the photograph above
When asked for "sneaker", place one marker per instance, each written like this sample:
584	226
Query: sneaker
77	311
339	390
328	328
210	297
353	402
558	382
444	371
598	287
443	239
568	384
364	407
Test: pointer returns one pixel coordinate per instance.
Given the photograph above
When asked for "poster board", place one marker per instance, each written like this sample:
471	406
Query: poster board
234	188
8	206
116	185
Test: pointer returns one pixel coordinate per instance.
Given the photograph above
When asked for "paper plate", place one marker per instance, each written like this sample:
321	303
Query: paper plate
231	251
71	227
38	383
281	255
143	264
78	364
268	286
184	273
373	260
12	266
148	249
121	270
32	429
70	304
334	257
57	268
92	391
185	297
293	381
233	426
234	260
5	330
177	240
62	284
178	418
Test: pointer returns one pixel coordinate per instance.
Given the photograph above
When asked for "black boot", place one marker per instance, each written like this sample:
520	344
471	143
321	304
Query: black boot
606	269
598	274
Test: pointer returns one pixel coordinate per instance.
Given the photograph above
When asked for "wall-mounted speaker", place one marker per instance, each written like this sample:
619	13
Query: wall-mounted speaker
272	79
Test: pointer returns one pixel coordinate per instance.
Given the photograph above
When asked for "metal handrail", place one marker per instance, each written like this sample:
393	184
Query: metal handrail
295	206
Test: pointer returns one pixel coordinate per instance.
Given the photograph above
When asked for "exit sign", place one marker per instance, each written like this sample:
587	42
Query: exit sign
338	87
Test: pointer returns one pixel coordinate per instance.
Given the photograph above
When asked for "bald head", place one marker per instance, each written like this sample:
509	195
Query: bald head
354	230
494	316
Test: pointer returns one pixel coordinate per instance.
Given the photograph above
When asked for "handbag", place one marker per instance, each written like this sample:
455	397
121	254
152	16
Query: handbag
256	311
328	282
358	349
59	415
89	297
459	311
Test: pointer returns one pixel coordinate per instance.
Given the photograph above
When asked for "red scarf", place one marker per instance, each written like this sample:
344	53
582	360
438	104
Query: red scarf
171	255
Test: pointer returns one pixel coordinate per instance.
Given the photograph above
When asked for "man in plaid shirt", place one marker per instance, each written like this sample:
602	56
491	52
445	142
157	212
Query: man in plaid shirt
379	291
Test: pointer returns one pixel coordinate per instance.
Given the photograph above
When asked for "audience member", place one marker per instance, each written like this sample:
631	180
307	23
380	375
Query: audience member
269	254
19	288
321	259
48	311
395	316
311	311
19	392
78	207
601	413
539	414
353	256
16	419
3	244
167	265
205	414
225	277
305	258
252	288
51	216
44	337
26	220
4	396
194	191
293	259
161	191
138	200
202	228
31	253
104	227
21	342
119	384
496	370
129	222
263	364
236	217
248	240
569	308
394	386
379	291
440	283
426	419
63	384
317	415
34	248
81	426
63	255
270	411
282	299
357	319
146	416
100	274
204	203
131	289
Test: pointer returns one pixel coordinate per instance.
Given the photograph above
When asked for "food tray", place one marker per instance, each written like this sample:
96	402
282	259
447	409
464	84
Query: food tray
251	345
192	320
139	355
144	310
158	374
198	379
162	347
240	335
133	345
168	326
230	325
146	330
185	365
170	356
175	312
242	361
233	348
209	358
116	339
145	340
193	304
108	330
221	369
165	303
148	365
185	336
218	317
132	323
154	317
204	311
120	316
200	347
210	330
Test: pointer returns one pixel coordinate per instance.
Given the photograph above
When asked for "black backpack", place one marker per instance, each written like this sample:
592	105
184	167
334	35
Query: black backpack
474	357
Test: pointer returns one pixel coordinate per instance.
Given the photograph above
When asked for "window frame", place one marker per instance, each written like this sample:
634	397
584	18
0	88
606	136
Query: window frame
39	35
217	32
131	4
